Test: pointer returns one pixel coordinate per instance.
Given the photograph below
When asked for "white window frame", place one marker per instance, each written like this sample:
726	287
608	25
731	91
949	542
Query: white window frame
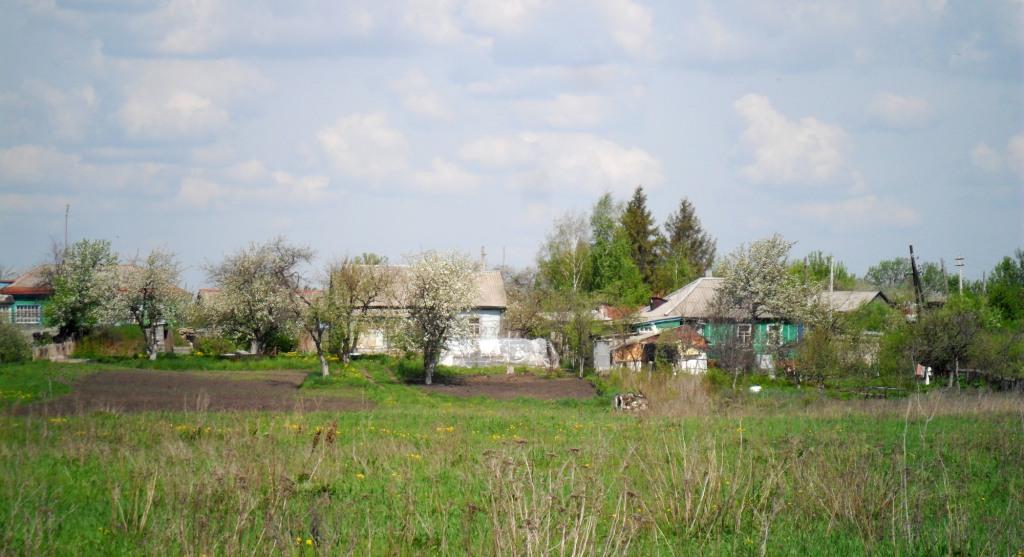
474	326
744	332
774	334
22	315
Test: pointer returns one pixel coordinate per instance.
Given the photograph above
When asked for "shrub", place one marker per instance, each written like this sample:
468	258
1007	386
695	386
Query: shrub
214	345
13	345
281	342
122	341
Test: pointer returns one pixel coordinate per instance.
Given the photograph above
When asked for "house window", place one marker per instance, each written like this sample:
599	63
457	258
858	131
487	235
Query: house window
474	326
28	315
743	332
775	334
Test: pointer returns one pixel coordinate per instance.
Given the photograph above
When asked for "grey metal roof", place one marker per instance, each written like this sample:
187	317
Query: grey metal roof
850	300
695	301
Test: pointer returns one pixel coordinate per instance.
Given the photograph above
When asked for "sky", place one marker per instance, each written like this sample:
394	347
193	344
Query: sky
396	126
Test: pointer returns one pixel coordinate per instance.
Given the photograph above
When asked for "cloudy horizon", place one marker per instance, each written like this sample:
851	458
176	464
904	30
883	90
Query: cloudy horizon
398	126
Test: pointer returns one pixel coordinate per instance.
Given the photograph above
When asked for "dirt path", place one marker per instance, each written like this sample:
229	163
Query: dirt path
513	386
141	391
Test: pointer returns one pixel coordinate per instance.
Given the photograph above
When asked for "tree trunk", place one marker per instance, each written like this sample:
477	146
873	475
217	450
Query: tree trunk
325	370
429	364
318	343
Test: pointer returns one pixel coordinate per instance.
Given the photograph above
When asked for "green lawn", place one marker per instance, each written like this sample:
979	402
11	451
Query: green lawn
428	474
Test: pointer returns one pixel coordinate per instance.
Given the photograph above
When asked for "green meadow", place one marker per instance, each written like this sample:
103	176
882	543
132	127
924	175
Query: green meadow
706	471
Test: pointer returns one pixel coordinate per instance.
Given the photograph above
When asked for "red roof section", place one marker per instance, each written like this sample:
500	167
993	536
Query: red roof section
32	283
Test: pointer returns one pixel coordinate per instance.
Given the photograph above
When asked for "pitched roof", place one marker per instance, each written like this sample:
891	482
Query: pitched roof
850	300
695	300
31	283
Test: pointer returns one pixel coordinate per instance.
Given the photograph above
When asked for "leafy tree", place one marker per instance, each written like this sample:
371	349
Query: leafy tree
943	339
614	274
259	291
82	278
564	260
687	239
148	295
642	234
889	273
441	289
1005	287
815	269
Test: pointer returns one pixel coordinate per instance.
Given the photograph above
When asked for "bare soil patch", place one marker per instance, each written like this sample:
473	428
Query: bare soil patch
513	386
142	391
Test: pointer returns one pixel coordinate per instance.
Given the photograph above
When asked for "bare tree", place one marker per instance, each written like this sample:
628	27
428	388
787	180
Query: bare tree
259	291
356	285
441	289
148	295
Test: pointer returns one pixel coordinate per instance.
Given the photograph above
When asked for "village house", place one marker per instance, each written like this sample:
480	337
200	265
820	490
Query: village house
24	298
484	316
692	307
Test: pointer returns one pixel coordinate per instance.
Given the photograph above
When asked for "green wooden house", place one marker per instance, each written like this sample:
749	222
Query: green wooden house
693	305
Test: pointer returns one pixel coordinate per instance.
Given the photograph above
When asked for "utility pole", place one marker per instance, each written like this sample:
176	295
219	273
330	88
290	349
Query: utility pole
67	212
960	270
918	291
483	259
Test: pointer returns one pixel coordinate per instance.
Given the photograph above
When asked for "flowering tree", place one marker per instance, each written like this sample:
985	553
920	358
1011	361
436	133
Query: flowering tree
148	295
82	278
759	285
259	291
441	289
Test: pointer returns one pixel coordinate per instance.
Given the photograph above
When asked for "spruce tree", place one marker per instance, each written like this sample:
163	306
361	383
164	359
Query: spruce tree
642	234
686	238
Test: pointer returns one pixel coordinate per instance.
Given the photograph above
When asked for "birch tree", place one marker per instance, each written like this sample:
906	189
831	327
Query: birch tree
82	278
148	295
564	260
259	291
441	288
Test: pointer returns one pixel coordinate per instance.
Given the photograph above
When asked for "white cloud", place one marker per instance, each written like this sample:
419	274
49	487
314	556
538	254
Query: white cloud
631	25
805	151
567	161
899	111
248	182
68	111
433	20
506	16
200	192
445	177
566	111
499	152
861	211
180	99
419	97
365	146
33	164
986	158
1015	154
992	161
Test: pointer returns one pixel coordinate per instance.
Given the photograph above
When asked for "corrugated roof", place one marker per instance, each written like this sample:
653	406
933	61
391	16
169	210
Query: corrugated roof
695	301
850	300
31	283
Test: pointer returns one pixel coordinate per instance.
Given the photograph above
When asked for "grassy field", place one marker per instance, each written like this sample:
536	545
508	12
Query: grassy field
705	472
